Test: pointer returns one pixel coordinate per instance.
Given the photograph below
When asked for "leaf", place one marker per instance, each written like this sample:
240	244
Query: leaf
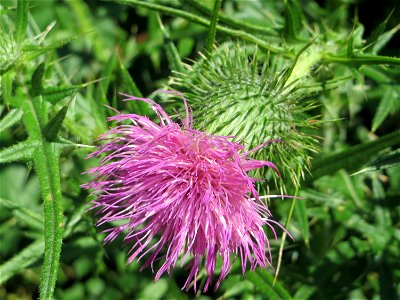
384	39
6	87
213	26
266	290
231	21
37	78
23	214
202	21
376	33
23	151
362	60
22	20
174	60
46	162
53	127
300	210
54	94
383	161
389	103
12	117
21	261
263	281
293	19
351	159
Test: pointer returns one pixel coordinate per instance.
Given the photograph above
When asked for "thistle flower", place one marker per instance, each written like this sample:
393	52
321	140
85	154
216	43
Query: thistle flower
181	190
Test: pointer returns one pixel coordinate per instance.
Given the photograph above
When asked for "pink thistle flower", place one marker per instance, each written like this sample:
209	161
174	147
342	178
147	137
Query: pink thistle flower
183	189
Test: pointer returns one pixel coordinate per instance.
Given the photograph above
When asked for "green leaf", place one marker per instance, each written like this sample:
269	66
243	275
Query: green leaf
362	60
46	162
22	20
213	26
231	21
266	289
293	19
21	261
23	151
37	78
174	60
352	158
33	51
383	161
54	94
300	210
53	127
389	103
6	87
130	87
106	74
23	214
203	21
11	118
384	39
263	281
376	33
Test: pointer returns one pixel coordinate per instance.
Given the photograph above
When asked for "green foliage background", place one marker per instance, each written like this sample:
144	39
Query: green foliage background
61	62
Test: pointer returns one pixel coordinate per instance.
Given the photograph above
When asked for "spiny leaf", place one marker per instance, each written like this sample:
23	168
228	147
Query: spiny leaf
23	214
263	281
130	87
37	78
21	261
11	118
293	19
383	161
22	19
23	151
33	51
384	39
354	157
46	162
174	60
231	21
389	103
53	94
376	33
53	127
6	86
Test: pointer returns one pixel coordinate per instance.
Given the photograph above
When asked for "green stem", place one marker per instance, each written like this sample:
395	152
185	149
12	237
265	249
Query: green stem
235	23
202	21
362	60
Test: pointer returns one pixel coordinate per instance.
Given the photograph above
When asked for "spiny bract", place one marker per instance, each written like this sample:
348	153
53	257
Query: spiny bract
238	91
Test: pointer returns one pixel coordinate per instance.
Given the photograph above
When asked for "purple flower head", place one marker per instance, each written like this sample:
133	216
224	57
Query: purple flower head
181	192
